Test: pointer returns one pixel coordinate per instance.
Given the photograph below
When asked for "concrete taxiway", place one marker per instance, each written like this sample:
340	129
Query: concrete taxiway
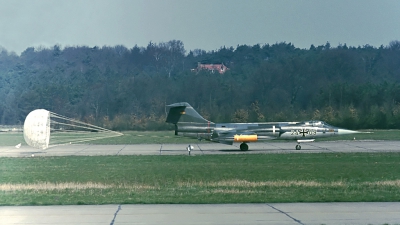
202	148
273	213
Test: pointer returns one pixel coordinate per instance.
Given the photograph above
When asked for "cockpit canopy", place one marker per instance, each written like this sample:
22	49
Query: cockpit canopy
317	123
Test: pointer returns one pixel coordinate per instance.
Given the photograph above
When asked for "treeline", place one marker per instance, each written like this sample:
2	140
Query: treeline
121	88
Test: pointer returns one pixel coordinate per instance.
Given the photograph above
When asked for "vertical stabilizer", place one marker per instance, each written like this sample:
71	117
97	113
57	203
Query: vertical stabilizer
183	112
186	119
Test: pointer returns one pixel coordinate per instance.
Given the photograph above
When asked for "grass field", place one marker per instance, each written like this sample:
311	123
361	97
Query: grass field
244	178
323	177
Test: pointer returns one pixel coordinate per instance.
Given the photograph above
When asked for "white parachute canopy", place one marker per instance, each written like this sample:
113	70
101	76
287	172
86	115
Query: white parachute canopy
44	129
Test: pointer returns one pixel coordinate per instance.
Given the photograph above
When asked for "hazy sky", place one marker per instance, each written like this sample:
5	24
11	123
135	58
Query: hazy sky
203	24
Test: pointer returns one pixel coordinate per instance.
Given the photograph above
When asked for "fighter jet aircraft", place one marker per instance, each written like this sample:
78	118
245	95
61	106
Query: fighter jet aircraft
191	123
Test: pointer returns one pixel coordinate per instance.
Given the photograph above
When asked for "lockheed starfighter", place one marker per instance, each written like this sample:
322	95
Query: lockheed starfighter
190	123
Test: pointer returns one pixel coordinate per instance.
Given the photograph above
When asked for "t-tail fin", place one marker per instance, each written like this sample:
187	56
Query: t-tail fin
183	112
186	119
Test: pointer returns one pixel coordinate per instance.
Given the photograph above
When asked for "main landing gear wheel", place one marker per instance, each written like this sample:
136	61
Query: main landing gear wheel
298	147
244	147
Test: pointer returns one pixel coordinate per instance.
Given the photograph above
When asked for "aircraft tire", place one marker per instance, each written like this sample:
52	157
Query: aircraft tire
298	147
244	147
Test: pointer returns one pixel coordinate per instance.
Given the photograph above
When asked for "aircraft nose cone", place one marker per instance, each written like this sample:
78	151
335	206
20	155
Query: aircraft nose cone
344	131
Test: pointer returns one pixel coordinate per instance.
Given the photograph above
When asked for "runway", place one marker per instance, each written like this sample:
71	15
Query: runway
202	148
250	214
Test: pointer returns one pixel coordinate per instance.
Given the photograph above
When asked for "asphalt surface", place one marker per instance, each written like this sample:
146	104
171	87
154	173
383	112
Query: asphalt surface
203	148
267	213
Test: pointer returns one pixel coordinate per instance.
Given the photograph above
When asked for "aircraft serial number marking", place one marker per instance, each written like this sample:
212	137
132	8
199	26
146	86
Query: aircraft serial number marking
304	132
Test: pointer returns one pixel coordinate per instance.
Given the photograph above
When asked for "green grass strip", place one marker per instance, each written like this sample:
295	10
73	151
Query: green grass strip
244	178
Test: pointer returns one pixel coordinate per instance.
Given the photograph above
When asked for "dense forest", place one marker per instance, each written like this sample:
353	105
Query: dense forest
121	88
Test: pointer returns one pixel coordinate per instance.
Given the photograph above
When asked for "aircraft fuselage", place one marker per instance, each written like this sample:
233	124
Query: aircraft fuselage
251	132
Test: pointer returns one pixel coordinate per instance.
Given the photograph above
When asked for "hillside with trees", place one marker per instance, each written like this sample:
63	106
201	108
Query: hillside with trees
121	88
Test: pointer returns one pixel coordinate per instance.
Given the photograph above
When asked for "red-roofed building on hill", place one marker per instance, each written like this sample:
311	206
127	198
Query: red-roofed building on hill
221	68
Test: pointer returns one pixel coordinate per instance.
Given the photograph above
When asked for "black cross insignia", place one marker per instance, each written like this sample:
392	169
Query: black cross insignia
303	132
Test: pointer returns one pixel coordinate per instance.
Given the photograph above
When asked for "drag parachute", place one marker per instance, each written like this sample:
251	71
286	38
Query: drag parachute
44	129
37	129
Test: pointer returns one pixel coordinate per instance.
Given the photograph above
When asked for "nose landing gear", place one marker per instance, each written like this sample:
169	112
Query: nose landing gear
298	146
